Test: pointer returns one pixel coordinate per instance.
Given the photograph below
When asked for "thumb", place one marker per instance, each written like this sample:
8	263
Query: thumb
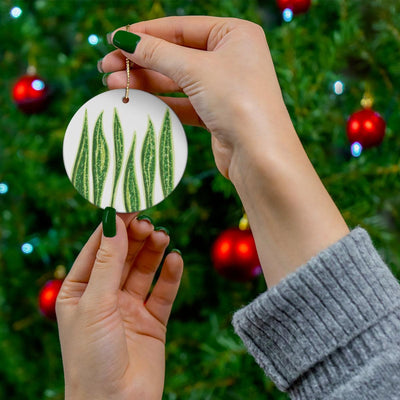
107	270
172	60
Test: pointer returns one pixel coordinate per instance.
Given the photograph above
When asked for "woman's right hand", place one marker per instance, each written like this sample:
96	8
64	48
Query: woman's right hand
224	67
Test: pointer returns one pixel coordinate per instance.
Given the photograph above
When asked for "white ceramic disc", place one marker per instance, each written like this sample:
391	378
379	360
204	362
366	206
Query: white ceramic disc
126	155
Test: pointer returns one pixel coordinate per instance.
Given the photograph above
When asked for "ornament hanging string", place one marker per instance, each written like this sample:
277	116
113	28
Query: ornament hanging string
126	98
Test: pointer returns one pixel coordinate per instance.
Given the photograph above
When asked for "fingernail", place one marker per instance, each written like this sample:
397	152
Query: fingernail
176	251
109	222
109	37
104	79
126	41
162	229
100	66
144	218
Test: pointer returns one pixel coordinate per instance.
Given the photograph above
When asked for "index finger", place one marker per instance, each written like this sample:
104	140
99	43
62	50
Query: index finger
189	31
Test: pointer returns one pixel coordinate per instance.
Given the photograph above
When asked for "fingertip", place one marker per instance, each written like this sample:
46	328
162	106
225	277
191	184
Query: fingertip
176	257
160	236
173	268
175	260
113	61
126	41
140	228
112	224
109	37
143	217
176	251
109	222
162	229
100	66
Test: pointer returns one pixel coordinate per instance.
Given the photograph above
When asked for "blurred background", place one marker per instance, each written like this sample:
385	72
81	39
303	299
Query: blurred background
330	56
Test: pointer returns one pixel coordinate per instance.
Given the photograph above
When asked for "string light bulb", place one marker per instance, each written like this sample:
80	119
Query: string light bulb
287	15
27	248
338	87
3	188
93	39
16	12
356	149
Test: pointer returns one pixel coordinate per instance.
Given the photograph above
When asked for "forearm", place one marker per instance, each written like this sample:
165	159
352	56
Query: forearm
291	214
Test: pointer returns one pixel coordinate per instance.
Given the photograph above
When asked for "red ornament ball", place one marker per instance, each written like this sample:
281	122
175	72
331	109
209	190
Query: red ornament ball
30	93
297	6
48	296
234	255
366	127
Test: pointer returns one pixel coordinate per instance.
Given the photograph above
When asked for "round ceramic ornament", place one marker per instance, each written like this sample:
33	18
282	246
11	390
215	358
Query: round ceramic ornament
129	155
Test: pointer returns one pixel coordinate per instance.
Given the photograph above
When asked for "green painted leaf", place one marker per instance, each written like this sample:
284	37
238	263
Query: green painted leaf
149	163
166	156
131	188
100	160
80	173
118	153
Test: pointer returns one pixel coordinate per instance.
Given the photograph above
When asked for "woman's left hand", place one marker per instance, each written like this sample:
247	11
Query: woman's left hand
112	334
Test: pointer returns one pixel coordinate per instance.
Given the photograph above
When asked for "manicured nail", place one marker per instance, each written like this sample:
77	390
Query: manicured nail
162	229
109	37
100	66
176	251
109	222
104	79
144	218
126	41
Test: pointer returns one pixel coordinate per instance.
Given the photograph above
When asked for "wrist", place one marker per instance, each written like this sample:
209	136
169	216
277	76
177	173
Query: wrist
263	144
291	214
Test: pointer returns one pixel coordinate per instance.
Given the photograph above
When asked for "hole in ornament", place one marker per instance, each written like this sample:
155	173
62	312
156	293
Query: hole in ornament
125	99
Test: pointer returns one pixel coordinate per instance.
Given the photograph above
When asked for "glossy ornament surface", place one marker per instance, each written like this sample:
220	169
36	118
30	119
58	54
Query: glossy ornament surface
234	255
126	155
366	127
297	6
48	296
30	93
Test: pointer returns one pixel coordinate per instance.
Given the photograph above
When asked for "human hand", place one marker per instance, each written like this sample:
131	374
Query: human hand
112	338
224	67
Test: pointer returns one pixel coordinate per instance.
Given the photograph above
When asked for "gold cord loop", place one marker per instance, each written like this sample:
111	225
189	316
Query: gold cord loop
128	65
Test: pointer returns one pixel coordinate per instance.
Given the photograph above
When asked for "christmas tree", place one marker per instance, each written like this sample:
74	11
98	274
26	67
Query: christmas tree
328	58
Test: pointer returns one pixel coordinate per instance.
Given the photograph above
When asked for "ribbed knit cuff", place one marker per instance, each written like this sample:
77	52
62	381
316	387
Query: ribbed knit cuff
325	320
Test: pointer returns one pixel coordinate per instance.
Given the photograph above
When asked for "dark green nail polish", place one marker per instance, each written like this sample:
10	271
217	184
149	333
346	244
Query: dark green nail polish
100	66
176	251
126	41
162	229
104	79
109	222
144	218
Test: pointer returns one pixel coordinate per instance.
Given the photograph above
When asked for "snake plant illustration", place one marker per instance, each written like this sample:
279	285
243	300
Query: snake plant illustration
131	188
152	156
148	161
119	153
80	173
166	156
100	160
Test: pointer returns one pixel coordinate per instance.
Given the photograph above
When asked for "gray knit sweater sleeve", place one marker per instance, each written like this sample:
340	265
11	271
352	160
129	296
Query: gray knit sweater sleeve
331	330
